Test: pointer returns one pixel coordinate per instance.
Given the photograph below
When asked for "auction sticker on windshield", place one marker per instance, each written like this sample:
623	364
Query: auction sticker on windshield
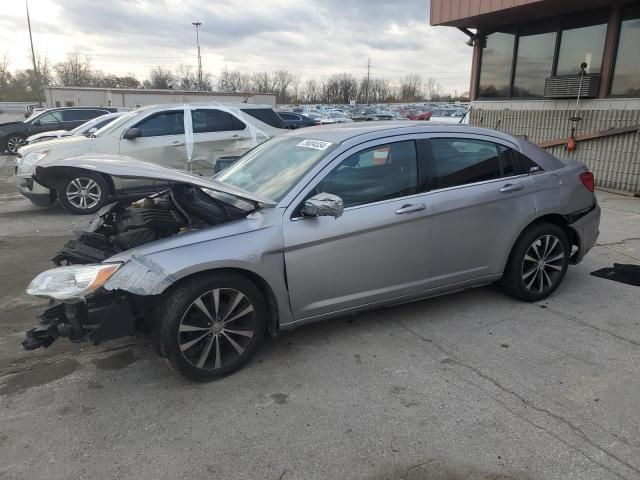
315	144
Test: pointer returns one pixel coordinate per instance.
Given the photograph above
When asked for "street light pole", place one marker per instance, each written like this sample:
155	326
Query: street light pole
197	25
33	57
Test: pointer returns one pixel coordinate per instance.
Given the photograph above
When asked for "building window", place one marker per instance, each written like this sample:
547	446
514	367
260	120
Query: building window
57	103
626	74
534	63
579	45
497	59
68	104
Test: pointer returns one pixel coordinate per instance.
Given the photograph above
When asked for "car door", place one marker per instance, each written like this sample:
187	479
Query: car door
377	250
162	139
46	122
216	134
73	118
480	200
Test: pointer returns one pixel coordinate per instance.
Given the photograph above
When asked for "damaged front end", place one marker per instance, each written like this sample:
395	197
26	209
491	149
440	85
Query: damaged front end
93	300
96	319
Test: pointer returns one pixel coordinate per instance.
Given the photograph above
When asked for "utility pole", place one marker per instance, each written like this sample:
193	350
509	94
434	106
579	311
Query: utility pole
33	56
197	25
368	79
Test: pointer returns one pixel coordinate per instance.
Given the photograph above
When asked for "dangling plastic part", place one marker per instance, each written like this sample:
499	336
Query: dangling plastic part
188	135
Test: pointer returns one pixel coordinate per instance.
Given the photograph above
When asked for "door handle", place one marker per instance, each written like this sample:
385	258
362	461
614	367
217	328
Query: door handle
511	187
411	208
236	136
177	144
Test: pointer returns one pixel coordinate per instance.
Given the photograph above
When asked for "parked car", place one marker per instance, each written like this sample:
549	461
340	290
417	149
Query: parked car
337	117
296	120
418	115
13	134
155	133
85	129
313	224
319	118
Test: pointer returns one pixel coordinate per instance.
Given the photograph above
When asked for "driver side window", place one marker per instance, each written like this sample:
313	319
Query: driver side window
163	124
379	173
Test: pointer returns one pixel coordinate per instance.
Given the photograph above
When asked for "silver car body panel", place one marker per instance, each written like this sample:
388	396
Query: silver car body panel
319	267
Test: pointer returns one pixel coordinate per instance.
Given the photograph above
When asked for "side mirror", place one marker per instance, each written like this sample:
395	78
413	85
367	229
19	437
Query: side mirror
37	123
132	133
323	205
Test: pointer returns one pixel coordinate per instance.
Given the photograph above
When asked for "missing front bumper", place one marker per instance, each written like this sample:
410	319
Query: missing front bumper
95	321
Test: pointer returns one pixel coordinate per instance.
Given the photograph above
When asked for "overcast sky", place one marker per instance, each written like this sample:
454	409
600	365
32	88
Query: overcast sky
313	37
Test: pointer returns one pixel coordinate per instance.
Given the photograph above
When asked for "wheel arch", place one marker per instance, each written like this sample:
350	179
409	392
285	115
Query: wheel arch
556	219
273	322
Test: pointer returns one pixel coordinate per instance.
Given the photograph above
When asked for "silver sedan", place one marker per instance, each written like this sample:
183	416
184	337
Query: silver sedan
311	225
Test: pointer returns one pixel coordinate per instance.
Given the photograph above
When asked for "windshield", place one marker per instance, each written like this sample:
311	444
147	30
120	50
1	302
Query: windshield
274	167
110	127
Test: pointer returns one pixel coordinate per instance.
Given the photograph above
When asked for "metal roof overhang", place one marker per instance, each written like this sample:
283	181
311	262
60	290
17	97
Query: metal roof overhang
489	18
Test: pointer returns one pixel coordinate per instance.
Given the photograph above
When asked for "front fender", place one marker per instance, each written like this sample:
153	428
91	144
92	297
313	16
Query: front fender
260	253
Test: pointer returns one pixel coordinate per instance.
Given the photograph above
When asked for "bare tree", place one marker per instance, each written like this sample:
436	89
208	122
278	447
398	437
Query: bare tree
160	78
410	87
281	81
311	91
74	72
295	87
432	89
262	82
186	78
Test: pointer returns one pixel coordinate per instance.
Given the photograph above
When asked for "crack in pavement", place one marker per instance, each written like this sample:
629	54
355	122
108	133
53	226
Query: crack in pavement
577	430
573	319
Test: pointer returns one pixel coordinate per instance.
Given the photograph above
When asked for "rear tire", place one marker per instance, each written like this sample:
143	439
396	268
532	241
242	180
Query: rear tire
538	263
210	326
83	194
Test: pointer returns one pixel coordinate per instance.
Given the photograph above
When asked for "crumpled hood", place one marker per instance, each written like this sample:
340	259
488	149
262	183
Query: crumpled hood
121	166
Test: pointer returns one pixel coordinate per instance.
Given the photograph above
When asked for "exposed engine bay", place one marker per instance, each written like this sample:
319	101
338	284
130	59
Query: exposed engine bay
123	225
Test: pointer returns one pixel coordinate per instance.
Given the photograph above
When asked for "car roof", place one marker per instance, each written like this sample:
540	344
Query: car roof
339	133
242	106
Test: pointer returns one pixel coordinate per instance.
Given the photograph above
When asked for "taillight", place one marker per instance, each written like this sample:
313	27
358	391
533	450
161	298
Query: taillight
587	180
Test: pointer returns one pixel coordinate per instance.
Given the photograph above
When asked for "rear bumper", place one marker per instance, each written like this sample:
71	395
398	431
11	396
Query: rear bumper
105	318
587	229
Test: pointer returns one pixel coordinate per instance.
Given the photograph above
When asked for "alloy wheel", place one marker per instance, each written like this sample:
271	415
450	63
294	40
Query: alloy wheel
216	328
83	193
543	264
14	143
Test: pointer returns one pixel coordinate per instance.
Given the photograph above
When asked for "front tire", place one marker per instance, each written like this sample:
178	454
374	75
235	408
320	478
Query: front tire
14	142
83	194
538	263
211	325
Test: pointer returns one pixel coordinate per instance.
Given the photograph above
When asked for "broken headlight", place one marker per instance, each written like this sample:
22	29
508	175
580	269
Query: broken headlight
71	282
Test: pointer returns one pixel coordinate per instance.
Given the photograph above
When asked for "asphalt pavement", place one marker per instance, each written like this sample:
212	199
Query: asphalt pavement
473	385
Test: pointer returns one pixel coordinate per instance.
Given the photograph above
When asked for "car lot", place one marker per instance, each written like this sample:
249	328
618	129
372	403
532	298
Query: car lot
471	385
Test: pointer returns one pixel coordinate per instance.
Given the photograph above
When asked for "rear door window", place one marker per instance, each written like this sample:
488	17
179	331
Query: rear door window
266	115
162	124
211	120
80	115
461	161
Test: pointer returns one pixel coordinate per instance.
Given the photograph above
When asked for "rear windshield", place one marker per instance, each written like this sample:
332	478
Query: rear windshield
266	115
